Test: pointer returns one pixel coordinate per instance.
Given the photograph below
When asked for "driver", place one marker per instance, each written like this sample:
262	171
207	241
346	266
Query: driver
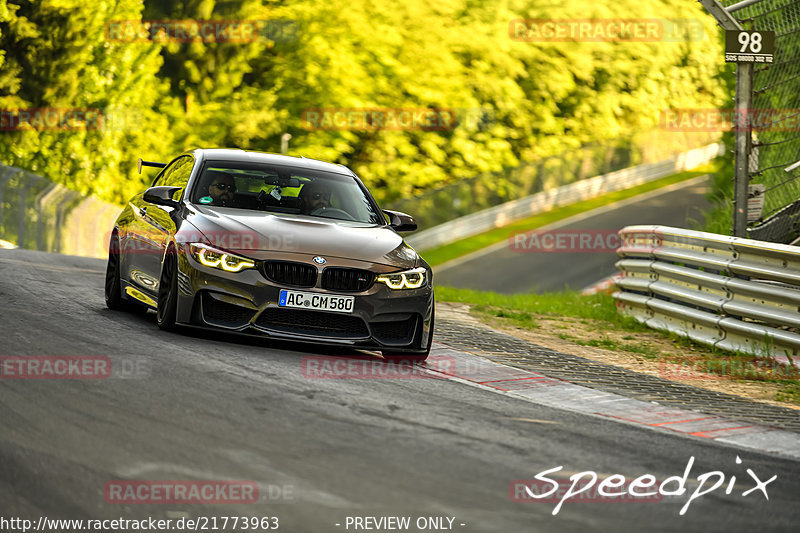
313	196
222	188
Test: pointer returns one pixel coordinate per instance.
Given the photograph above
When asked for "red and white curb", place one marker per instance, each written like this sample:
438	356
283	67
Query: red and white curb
541	389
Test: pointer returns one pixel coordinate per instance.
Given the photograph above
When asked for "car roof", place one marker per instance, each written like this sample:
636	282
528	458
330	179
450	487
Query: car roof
247	156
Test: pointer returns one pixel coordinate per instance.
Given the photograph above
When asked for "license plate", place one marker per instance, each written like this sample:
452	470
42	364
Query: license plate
316	301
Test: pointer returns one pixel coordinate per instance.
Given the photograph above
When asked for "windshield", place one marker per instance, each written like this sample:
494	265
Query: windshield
277	189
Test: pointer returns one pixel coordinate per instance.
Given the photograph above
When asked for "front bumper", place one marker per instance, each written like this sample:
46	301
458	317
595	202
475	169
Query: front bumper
247	302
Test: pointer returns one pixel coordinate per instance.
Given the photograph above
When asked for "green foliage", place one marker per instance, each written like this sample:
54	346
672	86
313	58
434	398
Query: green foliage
57	57
719	219
517	102
599	306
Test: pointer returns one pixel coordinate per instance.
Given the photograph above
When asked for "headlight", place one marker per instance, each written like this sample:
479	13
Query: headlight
410	279
211	257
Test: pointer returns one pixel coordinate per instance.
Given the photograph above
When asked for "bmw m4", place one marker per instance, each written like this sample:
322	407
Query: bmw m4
278	246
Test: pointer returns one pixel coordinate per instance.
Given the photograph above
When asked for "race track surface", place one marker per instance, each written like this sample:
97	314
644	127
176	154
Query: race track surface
522	267
195	406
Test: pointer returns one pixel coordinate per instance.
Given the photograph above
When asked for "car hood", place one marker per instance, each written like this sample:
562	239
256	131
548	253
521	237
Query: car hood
246	232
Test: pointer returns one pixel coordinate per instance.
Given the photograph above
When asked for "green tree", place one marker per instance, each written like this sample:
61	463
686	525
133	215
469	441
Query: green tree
225	102
59	56
517	102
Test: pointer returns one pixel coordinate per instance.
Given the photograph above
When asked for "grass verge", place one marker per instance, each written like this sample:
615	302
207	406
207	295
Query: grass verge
442	254
593	320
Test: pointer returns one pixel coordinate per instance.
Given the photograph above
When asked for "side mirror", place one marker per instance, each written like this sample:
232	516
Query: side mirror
400	221
161	196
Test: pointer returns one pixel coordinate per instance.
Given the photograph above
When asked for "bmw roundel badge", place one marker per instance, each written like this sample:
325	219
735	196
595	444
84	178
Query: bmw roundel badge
320	260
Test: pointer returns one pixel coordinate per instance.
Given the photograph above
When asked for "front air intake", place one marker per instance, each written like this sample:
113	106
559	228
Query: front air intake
347	279
289	273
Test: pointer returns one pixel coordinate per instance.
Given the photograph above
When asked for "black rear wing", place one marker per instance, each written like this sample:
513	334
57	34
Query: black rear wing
140	163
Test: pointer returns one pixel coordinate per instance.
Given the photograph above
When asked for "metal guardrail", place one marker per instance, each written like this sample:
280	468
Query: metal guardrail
501	215
733	293
38	214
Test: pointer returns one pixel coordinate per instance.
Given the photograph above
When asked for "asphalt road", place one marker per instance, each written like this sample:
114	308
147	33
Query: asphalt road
209	407
520	266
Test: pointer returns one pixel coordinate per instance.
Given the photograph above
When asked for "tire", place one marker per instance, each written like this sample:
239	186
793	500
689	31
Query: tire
168	292
412	356
113	287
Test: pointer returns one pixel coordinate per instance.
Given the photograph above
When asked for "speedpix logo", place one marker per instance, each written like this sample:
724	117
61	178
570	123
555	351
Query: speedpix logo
616	488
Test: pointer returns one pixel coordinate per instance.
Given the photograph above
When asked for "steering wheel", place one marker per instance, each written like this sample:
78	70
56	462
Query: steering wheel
332	212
